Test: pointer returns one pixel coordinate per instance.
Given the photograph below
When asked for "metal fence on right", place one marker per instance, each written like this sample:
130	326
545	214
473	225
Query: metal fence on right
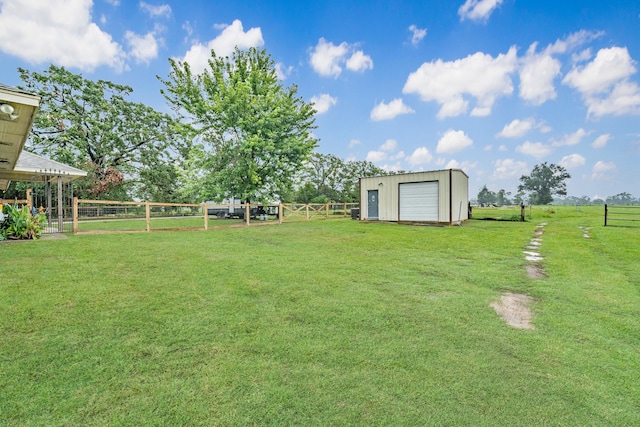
622	215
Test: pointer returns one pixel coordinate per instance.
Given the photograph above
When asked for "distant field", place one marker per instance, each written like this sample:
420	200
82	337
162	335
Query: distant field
335	322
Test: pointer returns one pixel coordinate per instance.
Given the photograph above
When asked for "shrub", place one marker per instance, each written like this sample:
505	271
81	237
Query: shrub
19	224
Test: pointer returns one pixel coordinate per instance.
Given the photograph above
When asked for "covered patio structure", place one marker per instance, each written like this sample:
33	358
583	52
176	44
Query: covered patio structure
17	112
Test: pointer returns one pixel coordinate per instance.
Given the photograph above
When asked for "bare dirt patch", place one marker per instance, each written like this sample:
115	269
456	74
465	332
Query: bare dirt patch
514	309
535	271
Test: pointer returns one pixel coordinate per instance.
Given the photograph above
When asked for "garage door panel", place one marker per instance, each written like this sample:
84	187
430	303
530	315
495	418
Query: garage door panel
419	201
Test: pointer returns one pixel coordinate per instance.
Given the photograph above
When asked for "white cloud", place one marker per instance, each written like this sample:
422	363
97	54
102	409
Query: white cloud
453	141
582	56
376	156
327	59
572	161
282	71
610	66
623	99
574	41
391	168
534	149
389	145
503	148
323	102
477	10
224	44
398	155
538	70
516	128
187	29
57	31
354	142
163	10
602	169
601	141
479	75
420	155
417	34
465	166
142	48
359	62
544	128
604	83
571	138
537	73
509	169
389	111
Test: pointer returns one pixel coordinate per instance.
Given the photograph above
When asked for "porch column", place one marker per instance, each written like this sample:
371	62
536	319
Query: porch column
60	206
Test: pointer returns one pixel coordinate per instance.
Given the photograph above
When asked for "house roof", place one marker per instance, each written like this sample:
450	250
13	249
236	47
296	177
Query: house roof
17	111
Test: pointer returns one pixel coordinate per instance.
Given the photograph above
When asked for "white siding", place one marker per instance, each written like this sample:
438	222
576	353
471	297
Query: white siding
419	201
452	192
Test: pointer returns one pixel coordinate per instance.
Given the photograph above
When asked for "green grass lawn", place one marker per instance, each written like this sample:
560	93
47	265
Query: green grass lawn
323	323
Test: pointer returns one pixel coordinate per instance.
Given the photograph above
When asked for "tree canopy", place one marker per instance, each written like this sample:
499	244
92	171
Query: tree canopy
252	133
93	126
544	181
326	177
488	197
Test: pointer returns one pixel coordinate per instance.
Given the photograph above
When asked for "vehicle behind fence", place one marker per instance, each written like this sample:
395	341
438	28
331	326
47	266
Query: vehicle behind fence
95	216
622	215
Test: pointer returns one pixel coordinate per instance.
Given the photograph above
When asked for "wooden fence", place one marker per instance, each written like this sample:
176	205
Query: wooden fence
622	215
100	216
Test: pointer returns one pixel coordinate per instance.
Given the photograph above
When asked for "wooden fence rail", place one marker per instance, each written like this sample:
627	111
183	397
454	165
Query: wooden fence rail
144	216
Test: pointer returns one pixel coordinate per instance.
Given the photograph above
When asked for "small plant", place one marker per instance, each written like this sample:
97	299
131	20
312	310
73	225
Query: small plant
19	224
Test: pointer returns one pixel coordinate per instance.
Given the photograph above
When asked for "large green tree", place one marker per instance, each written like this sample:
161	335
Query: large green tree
93	126
253	134
544	181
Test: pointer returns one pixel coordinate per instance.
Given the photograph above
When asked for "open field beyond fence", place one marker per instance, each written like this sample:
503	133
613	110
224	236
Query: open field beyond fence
324	323
502	213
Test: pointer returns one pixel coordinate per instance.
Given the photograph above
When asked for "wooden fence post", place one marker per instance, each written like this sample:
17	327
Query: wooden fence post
280	213
75	215
148	215
247	210
521	212
326	212
606	211
206	216
307	211
29	199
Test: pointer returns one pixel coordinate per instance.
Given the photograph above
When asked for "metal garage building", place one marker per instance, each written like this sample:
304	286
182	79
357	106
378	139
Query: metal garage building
429	197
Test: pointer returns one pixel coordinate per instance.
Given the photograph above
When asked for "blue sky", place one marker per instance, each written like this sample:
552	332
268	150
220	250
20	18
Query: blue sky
489	86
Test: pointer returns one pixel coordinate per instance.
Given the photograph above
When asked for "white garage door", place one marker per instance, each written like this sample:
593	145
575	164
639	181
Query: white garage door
419	201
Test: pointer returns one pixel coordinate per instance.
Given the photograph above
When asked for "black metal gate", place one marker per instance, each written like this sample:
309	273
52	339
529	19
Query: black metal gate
52	195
